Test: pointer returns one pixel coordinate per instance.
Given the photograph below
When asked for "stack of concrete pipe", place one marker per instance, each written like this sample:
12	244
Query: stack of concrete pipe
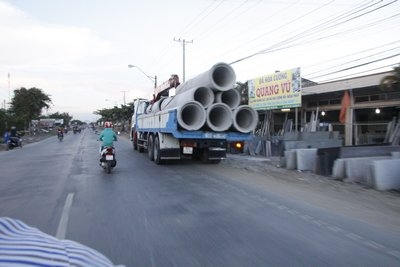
210	102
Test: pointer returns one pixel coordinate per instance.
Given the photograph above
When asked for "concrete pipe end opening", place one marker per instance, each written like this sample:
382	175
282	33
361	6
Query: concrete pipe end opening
191	116
219	117
204	95
223	77
230	97
245	119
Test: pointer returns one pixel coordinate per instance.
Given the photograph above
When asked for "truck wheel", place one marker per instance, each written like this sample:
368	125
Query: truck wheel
139	145
134	142
156	156
150	147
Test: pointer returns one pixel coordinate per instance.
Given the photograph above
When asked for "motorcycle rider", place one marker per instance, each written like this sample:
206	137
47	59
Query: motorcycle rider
60	133
108	136
14	138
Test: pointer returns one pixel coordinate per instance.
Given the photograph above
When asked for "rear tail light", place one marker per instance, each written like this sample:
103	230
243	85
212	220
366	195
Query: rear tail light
238	145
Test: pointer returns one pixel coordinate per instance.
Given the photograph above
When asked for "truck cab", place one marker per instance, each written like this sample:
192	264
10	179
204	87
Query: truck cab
139	107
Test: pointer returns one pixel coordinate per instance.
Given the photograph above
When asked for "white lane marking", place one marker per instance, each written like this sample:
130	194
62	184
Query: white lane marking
354	236
335	228
62	226
395	253
374	244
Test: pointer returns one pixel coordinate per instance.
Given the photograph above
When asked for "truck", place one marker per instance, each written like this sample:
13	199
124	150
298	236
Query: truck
197	122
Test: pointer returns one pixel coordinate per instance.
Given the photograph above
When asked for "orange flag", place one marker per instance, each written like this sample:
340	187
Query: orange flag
345	105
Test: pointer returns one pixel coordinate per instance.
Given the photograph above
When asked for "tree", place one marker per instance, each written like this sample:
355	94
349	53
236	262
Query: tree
27	104
391	82
65	116
115	114
243	91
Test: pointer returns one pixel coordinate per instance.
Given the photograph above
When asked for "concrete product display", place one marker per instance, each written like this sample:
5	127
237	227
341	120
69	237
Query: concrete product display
338	169
386	174
290	157
306	159
326	158
396	155
367	151
356	169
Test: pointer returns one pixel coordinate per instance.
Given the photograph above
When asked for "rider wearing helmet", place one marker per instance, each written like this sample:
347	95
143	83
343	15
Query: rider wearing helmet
60	132
108	136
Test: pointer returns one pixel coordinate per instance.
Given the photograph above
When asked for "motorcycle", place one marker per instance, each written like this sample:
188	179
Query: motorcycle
14	142
60	137
108	160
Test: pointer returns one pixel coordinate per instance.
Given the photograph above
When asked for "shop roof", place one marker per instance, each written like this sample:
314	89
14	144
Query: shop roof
345	84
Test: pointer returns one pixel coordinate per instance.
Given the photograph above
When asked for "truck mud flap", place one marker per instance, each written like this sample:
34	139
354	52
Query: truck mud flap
216	153
170	153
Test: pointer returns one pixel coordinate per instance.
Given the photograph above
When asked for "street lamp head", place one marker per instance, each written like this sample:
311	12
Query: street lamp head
131	66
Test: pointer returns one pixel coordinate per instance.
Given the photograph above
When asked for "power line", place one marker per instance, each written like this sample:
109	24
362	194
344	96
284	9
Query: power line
359	73
354	60
357	66
320	27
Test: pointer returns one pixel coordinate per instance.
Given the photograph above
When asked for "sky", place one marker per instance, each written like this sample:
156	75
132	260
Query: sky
78	52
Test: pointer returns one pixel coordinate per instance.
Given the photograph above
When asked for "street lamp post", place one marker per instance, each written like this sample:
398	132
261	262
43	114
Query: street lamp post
153	79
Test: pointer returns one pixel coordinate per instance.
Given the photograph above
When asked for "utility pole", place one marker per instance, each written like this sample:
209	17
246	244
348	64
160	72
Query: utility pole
124	96
183	42
9	92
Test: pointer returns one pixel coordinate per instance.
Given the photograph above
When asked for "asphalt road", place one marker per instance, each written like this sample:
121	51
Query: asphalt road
184	213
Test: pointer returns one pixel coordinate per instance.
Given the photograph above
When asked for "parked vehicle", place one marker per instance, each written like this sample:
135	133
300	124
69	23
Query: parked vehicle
197	122
14	142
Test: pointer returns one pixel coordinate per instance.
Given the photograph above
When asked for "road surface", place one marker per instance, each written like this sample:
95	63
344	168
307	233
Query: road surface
189	213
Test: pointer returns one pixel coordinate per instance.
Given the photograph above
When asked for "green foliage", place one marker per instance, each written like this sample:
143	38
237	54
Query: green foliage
27	104
243	91
391	82
65	116
115	114
77	122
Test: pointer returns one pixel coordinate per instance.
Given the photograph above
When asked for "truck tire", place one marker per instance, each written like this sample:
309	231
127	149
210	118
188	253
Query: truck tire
157	156
141	149
150	147
134	142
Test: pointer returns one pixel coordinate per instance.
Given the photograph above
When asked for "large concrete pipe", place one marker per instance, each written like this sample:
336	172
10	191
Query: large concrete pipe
191	116
203	95
245	119
156	107
219	117
230	97
220	77
166	102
